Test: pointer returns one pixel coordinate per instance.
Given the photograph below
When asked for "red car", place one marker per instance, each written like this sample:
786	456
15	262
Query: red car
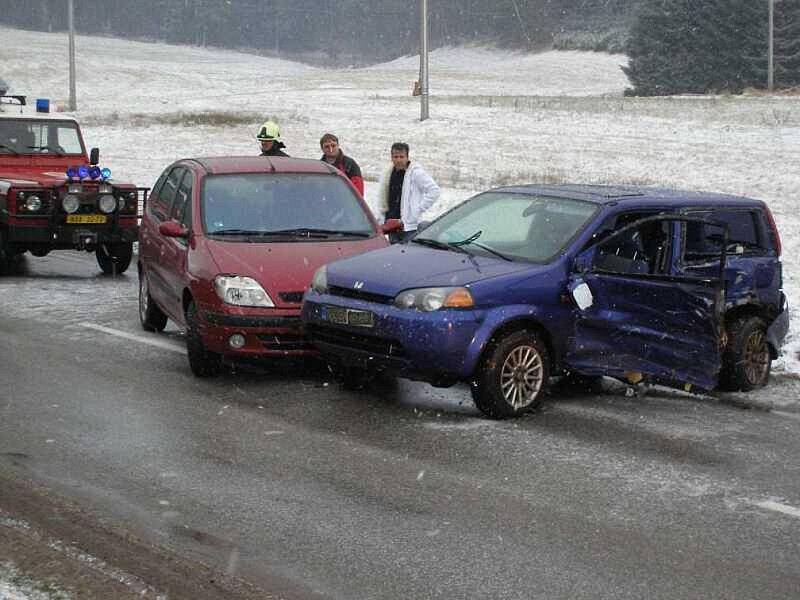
227	247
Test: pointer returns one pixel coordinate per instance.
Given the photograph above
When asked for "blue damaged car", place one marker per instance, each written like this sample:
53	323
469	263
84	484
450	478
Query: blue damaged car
521	283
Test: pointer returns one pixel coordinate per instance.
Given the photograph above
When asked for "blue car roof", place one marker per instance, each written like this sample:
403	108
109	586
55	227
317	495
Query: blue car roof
607	194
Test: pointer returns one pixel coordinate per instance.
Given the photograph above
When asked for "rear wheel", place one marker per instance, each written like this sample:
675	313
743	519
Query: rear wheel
202	362
512	376
114	258
746	362
5	256
151	316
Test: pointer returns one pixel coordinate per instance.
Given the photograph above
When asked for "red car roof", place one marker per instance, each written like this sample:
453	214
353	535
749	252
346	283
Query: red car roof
262	164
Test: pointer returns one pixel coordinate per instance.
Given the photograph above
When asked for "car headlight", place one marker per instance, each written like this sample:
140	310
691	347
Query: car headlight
106	203
241	291
319	283
430	299
70	203
105	188
33	202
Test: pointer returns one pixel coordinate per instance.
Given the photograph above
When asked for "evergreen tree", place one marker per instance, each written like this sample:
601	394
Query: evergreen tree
697	46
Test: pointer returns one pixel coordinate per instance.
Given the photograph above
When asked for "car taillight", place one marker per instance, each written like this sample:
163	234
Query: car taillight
775	234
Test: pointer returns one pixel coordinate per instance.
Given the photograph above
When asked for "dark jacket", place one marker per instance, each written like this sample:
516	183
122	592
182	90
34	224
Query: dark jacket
350	168
276	150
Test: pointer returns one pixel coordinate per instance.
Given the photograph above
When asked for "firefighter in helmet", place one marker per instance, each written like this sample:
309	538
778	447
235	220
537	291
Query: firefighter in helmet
270	138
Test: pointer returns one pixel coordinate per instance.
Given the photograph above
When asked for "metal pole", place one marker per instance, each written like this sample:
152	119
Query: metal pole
423	63
770	58
73	104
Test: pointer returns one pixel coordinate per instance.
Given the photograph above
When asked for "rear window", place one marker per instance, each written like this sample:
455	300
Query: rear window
745	234
269	202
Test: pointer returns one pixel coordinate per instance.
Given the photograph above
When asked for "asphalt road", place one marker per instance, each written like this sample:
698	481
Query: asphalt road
278	477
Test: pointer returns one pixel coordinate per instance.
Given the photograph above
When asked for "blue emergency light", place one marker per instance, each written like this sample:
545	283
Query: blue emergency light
72	172
94	172
83	172
43	105
105	172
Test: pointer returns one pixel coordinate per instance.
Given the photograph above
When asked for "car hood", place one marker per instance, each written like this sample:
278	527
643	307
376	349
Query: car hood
403	266
28	177
282	267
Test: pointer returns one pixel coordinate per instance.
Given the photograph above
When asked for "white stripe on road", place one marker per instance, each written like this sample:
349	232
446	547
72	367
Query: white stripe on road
137	338
781	508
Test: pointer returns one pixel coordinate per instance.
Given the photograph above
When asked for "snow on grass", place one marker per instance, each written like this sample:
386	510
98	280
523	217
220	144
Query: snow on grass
14	585
497	117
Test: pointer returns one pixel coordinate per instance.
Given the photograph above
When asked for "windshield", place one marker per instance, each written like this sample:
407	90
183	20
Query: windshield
290	204
510	225
38	136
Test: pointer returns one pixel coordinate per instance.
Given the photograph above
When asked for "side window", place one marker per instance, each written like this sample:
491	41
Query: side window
704	241
161	205
642	250
182	205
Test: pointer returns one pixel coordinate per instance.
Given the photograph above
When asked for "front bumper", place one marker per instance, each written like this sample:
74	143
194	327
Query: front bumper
63	237
265	336
427	346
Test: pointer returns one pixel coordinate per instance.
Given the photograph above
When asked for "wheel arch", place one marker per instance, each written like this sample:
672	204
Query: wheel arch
522	324
746	311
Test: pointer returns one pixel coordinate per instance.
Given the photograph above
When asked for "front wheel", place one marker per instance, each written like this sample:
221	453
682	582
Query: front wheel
114	258
202	362
151	316
512	376
5	256
746	362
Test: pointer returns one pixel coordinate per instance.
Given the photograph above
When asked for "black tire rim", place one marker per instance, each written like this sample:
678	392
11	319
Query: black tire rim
521	376
756	358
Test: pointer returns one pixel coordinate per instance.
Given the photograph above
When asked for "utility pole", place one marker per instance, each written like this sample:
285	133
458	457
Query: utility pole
423	62
771	51
73	104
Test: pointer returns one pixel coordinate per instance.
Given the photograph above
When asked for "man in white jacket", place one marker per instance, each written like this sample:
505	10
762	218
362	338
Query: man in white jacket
406	191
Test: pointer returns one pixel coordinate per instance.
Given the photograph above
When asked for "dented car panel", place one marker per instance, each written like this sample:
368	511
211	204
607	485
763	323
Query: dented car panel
644	285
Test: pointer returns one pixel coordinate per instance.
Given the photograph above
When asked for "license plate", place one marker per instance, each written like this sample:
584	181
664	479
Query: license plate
86	218
349	316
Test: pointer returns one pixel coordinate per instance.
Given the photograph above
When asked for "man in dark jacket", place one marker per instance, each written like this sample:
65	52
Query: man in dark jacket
270	138
332	153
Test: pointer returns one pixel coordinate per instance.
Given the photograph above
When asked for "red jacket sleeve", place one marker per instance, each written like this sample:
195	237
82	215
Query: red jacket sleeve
358	182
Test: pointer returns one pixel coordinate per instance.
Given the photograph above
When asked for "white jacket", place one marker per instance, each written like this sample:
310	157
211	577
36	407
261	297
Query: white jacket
419	194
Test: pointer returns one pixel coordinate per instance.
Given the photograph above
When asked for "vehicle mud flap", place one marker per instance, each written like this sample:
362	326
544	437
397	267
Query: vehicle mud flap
777	331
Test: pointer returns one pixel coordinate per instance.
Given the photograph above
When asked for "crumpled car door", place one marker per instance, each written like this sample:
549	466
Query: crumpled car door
634	320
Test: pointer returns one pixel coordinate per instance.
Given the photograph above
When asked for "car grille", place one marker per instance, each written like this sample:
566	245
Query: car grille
335	290
285	342
357	341
291	297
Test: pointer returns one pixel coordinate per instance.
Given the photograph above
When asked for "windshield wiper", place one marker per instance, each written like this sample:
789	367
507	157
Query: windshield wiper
315	232
439	245
471	241
492	251
10	149
235	232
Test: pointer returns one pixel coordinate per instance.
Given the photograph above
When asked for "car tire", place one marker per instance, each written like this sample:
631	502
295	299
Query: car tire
114	259
202	362
151	316
5	256
746	362
512	376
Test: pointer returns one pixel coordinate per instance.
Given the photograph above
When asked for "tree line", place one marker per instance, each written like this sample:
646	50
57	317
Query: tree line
699	46
351	30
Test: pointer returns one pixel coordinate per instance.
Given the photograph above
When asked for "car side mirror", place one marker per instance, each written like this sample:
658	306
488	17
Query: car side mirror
172	229
94	156
423	225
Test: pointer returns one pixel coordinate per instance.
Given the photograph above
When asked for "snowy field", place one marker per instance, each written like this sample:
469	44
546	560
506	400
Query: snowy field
496	118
